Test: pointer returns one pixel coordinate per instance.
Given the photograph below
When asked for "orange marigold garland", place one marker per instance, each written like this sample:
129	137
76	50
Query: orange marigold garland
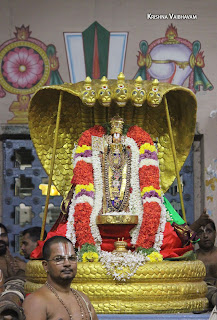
83	173
86	136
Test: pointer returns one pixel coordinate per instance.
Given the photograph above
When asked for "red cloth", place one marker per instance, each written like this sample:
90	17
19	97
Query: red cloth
172	245
60	231
111	232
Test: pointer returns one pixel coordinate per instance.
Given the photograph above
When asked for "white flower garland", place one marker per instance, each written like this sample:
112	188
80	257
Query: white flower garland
160	232
116	262
98	185
148	162
163	218
135	201
70	230
120	213
86	159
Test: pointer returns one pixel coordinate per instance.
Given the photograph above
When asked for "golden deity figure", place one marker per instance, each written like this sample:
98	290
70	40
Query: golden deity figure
116	169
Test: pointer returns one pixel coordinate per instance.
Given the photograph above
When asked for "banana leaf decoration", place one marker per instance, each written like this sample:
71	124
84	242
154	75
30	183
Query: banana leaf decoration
95	102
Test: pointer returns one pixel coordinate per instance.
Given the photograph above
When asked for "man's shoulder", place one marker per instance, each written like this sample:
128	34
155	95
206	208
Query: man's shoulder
201	254
36	296
35	305
83	295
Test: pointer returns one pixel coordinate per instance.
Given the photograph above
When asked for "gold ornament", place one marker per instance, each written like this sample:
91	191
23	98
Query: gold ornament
120	245
104	93
154	96
117	125
121	91
138	95
117	219
88	95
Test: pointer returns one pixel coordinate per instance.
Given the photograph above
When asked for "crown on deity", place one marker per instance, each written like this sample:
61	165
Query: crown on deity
117	124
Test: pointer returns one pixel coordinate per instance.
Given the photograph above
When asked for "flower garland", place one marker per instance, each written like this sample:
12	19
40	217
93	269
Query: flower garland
122	266
145	197
79	226
154	216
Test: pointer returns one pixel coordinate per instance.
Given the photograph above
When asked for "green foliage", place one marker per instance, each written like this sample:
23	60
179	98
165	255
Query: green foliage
87	247
107	127
145	251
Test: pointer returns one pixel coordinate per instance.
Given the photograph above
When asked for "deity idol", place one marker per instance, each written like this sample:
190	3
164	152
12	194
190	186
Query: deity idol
116	193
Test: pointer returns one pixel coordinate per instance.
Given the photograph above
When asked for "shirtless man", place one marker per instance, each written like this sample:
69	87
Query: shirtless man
56	300
8	264
207	253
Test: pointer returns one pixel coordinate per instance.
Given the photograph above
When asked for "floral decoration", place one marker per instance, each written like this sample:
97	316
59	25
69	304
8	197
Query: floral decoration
90	257
154	216
79	222
122	266
23	67
155	257
145	200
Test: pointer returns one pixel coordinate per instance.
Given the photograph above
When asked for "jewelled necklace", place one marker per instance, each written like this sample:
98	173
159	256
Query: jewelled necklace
121	205
78	298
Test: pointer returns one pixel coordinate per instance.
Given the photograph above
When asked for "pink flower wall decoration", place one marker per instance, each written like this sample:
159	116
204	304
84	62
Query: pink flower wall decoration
22	67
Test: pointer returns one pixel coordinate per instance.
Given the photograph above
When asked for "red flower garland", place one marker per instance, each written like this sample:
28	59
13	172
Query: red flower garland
83	173
148	176
149	226
82	223
139	135
85	139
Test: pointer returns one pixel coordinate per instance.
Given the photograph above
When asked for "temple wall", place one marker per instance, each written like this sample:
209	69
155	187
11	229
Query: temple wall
48	20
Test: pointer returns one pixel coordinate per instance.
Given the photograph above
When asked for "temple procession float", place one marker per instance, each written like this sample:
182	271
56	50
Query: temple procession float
112	148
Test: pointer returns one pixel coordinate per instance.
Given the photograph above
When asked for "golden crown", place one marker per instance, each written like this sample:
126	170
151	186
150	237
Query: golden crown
117	125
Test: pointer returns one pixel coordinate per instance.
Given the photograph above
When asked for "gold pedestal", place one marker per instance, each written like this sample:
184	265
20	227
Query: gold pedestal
164	287
117	219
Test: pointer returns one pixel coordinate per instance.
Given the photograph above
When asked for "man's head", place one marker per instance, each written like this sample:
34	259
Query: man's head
30	237
207	235
60	261
4	241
